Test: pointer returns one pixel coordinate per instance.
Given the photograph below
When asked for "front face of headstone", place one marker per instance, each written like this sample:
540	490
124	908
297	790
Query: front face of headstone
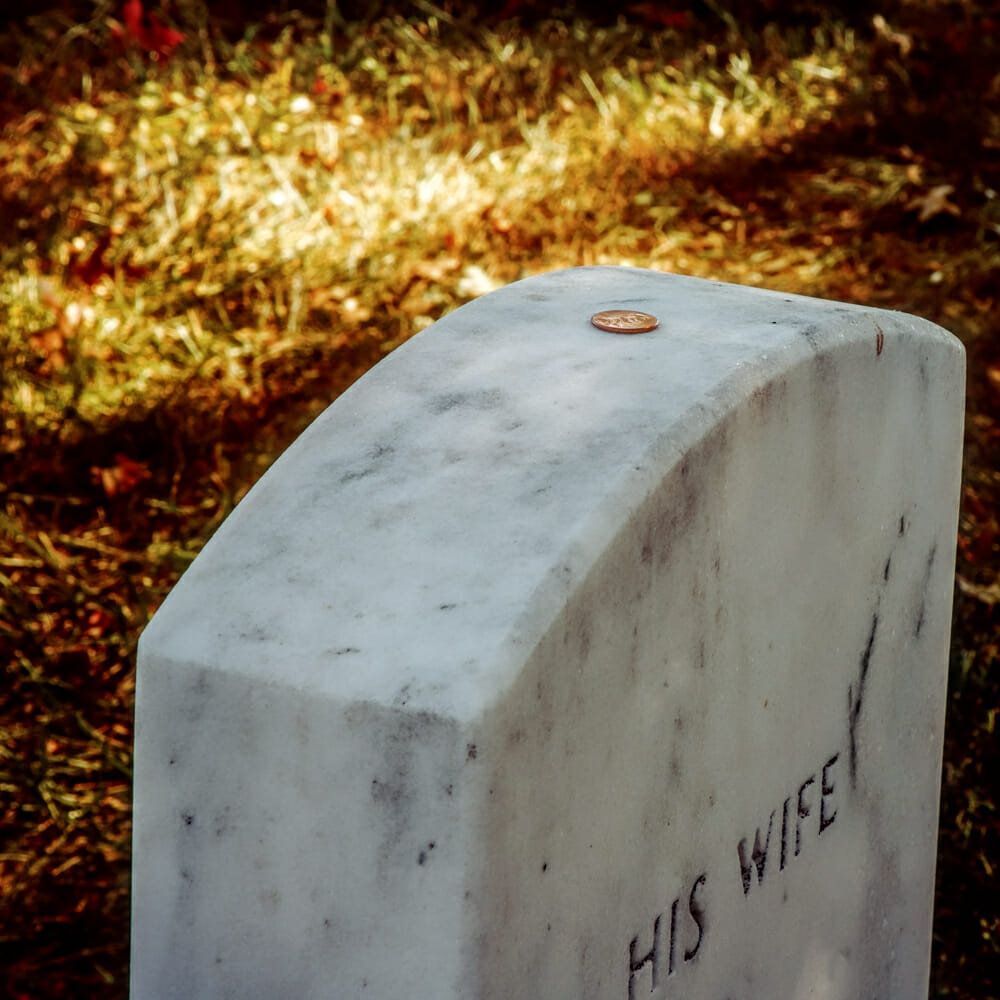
733	730
560	663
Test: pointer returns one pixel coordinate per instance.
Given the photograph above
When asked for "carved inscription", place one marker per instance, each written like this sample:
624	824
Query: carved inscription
679	932
661	959
795	811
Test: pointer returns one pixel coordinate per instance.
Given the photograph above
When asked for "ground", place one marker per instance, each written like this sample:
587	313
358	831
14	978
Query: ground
214	224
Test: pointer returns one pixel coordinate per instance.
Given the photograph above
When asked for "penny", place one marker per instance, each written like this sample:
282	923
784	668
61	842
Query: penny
624	321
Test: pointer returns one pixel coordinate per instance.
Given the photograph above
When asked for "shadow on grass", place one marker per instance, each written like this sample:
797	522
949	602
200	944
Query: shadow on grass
66	934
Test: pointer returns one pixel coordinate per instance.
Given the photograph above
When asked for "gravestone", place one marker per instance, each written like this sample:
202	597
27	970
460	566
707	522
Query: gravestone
557	662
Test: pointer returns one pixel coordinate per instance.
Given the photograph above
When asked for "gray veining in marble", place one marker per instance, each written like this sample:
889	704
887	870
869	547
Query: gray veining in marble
551	662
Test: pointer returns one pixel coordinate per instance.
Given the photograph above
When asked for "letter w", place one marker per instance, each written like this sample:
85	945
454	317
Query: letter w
758	857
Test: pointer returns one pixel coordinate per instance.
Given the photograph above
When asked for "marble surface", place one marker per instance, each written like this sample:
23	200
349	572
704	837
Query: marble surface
552	662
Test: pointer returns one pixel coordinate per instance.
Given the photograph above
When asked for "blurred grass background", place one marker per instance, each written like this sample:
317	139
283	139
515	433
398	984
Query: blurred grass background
215	217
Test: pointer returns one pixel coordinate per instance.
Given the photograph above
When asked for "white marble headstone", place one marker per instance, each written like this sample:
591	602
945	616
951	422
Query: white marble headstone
558	663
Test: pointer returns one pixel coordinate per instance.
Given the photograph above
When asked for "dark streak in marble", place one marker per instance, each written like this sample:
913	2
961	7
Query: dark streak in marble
855	698
925	591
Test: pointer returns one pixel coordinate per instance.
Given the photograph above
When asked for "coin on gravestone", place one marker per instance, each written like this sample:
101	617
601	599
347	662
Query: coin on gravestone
624	321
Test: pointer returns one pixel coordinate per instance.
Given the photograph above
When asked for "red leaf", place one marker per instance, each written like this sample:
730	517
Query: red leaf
122	477
161	38
132	16
91	270
156	38
658	13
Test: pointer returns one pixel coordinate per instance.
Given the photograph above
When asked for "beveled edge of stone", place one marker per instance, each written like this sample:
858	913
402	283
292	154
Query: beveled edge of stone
396	522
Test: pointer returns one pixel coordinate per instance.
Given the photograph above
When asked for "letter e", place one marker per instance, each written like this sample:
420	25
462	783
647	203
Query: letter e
826	790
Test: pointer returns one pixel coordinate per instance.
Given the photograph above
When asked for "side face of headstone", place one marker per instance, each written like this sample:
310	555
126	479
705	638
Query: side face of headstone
552	662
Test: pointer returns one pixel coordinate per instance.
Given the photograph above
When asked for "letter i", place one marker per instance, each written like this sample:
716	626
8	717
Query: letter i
784	834
673	936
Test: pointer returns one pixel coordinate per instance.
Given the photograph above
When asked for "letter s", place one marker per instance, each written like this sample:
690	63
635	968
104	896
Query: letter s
697	910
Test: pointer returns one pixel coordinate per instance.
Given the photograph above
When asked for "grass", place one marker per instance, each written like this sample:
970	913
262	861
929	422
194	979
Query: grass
205	248
225	219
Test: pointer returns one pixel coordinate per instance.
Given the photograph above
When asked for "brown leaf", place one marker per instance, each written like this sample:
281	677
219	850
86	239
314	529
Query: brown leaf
935	202
50	342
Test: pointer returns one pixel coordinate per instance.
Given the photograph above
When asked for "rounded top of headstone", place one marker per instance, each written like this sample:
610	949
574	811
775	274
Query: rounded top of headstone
414	544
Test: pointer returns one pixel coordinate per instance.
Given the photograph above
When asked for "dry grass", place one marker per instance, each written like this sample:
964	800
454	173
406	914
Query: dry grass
206	248
202	224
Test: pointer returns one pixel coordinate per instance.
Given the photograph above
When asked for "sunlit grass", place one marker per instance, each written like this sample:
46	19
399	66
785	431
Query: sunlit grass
200	252
190	222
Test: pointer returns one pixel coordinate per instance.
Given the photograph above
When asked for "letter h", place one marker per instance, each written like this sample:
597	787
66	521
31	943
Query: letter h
651	958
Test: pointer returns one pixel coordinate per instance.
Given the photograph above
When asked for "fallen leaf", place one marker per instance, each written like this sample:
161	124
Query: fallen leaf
148	32
935	202
122	477
989	594
51	342
656	13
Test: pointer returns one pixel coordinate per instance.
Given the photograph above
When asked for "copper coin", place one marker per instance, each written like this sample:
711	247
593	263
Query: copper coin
624	321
